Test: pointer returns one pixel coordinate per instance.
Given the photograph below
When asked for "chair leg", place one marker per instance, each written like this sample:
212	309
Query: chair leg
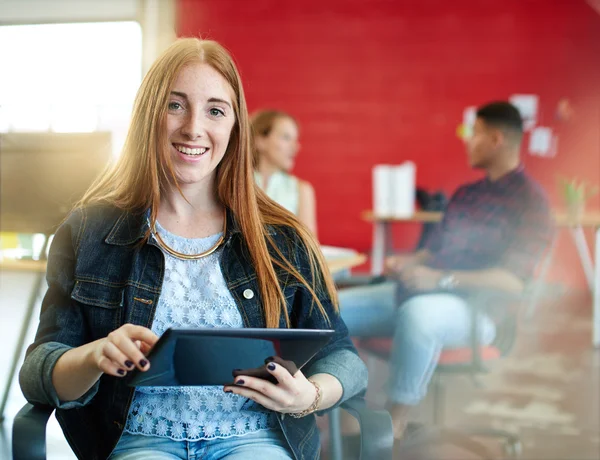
335	435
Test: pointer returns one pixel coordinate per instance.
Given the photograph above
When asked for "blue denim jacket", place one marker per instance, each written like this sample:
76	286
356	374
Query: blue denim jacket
100	277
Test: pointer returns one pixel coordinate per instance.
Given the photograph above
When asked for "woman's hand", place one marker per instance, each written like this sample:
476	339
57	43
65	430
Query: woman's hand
123	349
294	393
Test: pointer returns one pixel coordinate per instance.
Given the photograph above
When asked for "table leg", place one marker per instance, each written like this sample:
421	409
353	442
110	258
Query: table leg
538	284
381	240
596	295
584	255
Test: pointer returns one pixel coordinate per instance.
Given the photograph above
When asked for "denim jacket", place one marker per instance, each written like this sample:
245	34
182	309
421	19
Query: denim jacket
100	277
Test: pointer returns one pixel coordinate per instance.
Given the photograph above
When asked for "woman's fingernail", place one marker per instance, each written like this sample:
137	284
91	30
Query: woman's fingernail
228	391
128	364
236	370
143	363
271	367
120	372
239	382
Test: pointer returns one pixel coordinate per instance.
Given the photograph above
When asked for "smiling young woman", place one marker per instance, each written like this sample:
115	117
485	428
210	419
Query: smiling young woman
177	234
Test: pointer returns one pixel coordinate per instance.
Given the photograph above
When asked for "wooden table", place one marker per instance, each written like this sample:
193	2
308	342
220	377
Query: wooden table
344	263
23	265
382	245
39	266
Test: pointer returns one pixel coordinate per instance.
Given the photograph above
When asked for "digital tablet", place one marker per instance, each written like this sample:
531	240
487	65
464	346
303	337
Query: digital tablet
209	356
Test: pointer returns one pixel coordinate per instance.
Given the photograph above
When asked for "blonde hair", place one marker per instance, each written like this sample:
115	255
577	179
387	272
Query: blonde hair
262	122
135	182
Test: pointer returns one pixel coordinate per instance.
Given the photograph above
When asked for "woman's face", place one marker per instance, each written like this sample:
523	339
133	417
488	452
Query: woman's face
280	146
200	118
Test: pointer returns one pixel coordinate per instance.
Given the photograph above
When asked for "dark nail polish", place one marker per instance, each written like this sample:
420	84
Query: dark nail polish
239	382
128	364
120	372
269	359
143	363
228	391
271	367
236	370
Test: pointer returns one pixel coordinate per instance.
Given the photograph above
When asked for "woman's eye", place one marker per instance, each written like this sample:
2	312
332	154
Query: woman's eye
216	112
174	105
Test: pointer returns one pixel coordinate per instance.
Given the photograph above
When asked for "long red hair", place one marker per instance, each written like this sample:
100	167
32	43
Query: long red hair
135	182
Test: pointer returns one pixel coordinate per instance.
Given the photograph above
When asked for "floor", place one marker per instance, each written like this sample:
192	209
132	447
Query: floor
547	390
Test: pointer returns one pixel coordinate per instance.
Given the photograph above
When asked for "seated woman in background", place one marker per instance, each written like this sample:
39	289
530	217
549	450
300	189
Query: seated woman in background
275	148
178	234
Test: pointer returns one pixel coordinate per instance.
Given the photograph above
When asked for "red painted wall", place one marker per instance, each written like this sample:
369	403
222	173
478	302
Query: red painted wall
383	81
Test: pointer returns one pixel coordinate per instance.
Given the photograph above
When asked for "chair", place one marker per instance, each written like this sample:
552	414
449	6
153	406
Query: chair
436	201
469	361
376	442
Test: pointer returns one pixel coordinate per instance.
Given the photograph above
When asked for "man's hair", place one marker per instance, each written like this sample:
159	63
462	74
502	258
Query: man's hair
503	115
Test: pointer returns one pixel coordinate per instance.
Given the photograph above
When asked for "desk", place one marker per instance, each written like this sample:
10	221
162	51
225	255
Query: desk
39	266
382	245
32	266
344	263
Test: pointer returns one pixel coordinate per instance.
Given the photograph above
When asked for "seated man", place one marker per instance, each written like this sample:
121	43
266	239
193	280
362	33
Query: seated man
493	233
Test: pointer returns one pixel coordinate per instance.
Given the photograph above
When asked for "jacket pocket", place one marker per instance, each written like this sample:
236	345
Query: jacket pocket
101	306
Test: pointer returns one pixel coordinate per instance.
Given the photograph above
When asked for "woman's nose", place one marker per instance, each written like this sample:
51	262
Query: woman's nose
193	127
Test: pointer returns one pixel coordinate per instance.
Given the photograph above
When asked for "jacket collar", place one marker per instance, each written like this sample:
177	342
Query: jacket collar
132	227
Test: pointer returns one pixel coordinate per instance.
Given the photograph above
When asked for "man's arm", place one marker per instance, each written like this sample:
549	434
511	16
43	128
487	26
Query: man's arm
395	264
491	278
399	263
423	278
533	233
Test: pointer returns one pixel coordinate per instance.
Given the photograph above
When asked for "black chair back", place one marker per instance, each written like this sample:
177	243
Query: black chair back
436	201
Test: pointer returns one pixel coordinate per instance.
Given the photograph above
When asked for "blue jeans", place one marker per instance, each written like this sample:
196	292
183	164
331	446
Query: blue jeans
265	444
421	327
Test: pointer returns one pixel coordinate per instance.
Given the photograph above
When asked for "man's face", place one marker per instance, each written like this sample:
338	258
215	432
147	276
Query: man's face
482	146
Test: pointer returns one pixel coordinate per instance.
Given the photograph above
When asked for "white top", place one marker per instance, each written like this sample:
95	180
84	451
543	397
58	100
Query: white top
194	295
282	188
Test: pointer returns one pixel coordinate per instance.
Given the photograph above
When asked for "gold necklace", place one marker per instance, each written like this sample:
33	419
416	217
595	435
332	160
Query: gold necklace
183	256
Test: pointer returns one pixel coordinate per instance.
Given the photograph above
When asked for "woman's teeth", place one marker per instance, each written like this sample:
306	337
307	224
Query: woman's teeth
188	151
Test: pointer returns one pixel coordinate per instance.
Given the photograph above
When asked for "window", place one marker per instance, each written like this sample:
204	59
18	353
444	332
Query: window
70	77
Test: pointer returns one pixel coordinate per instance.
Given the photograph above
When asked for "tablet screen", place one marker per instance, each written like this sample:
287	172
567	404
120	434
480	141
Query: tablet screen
209	356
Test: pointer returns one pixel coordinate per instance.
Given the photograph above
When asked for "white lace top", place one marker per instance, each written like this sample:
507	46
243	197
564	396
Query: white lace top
194	294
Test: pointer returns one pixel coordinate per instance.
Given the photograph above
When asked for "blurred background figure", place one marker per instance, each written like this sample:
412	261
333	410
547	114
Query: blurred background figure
493	235
275	148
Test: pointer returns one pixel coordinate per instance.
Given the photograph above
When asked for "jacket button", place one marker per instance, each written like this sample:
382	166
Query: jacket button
248	294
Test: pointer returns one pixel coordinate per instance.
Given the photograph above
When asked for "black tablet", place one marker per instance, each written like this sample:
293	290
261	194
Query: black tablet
209	356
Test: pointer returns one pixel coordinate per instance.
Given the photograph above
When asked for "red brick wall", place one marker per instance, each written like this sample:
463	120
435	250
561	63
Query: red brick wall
387	80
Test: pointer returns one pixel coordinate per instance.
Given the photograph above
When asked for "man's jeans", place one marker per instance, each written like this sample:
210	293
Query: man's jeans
421	327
